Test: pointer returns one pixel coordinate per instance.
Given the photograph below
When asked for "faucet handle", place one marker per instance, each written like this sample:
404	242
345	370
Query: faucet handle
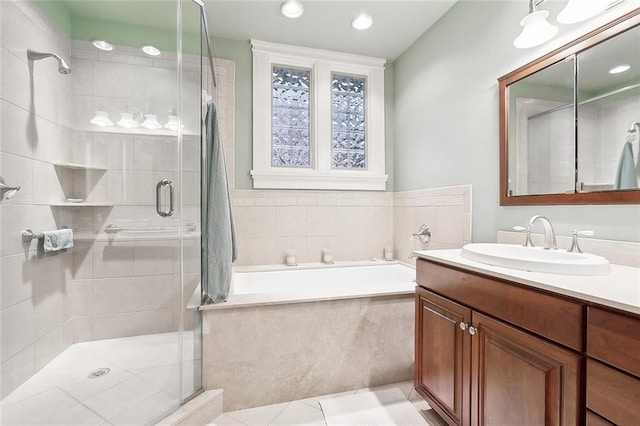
527	229
574	247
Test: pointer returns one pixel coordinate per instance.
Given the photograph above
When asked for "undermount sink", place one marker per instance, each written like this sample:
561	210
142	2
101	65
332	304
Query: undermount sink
536	259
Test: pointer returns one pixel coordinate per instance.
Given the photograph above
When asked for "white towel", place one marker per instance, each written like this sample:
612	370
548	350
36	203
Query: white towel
57	240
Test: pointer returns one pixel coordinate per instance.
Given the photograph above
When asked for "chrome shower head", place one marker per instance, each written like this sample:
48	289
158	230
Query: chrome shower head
635	126
63	68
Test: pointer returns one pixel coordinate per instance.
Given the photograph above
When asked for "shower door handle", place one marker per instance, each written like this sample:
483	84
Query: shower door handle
161	184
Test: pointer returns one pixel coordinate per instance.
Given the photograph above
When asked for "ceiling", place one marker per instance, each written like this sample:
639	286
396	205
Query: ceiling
325	24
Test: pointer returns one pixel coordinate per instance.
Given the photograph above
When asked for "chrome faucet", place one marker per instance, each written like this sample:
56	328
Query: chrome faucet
549	233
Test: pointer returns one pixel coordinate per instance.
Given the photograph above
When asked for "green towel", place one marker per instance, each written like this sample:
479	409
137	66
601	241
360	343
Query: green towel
626	176
218	234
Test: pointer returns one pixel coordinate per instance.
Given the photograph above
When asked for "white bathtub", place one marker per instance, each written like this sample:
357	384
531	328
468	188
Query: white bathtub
280	284
291	333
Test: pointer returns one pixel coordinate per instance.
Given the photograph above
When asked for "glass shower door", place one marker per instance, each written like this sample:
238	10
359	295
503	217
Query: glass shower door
103	331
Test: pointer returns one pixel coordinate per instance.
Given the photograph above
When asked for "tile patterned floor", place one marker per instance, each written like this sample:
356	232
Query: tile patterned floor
141	386
307	412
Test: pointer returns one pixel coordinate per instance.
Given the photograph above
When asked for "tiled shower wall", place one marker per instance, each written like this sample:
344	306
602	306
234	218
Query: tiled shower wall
35	111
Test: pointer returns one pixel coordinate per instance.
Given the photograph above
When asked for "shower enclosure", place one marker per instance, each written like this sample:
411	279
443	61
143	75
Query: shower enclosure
101	107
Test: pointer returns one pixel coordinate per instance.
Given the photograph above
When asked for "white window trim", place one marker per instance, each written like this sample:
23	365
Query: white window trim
320	175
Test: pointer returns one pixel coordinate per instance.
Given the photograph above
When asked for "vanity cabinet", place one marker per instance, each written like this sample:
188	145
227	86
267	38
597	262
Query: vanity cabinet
490	352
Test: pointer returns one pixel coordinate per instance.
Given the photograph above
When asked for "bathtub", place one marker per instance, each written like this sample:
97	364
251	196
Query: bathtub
314	282
288	333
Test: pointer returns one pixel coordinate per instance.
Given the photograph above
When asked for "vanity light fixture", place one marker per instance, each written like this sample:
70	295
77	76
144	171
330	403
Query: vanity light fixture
619	68
362	21
101	119
151	122
536	30
103	45
127	121
151	50
581	10
292	9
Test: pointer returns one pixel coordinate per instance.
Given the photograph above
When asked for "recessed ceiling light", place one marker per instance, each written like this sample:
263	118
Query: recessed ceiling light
150	50
292	9
102	45
618	69
362	21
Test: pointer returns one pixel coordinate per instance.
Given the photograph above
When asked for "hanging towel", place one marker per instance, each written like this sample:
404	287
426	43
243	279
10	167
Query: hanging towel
219	233
57	240
626	175
54	242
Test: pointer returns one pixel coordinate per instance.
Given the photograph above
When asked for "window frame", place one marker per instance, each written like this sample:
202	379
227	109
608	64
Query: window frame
321	174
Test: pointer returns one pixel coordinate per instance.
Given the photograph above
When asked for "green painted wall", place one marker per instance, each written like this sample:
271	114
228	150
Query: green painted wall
126	34
446	118
58	12
240	52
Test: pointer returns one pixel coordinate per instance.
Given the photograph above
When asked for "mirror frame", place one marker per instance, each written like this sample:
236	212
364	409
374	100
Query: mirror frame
588	40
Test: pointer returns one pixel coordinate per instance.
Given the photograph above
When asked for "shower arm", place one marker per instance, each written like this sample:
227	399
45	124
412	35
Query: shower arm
4	188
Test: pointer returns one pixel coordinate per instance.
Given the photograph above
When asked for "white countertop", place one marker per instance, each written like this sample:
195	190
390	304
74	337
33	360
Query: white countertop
620	289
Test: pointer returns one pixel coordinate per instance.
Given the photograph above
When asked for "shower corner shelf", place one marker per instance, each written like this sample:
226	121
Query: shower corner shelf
78	166
105	204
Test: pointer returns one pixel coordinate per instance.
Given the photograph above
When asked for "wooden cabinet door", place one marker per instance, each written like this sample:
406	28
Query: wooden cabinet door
443	352
520	379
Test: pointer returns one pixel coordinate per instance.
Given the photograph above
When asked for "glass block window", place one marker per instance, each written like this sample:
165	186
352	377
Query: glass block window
290	117
348	144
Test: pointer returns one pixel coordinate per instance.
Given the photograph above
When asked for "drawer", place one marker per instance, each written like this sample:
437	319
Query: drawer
612	394
552	317
608	333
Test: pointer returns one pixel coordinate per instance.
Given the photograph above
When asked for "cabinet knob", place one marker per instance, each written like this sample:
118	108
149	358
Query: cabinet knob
463	326
472	330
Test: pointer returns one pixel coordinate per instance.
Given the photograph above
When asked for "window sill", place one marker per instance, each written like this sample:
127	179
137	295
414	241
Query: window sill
308	179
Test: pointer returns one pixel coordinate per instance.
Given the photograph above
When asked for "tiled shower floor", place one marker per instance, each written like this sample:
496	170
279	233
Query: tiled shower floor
142	384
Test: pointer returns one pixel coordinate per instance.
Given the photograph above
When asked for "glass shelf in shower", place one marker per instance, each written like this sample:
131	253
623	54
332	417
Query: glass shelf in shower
103	204
78	166
136	131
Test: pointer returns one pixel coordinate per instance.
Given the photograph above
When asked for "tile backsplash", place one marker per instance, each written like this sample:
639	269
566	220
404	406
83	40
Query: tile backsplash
617	252
446	211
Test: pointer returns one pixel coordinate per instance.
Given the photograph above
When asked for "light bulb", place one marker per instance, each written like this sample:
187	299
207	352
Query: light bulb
292	9
151	122
102	45
151	50
581	10
127	121
101	119
362	21
536	30
619	69
173	123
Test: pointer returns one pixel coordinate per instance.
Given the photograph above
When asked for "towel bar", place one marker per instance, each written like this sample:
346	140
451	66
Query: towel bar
114	229
28	235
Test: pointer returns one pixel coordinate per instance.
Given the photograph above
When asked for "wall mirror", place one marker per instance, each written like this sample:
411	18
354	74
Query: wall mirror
567	122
